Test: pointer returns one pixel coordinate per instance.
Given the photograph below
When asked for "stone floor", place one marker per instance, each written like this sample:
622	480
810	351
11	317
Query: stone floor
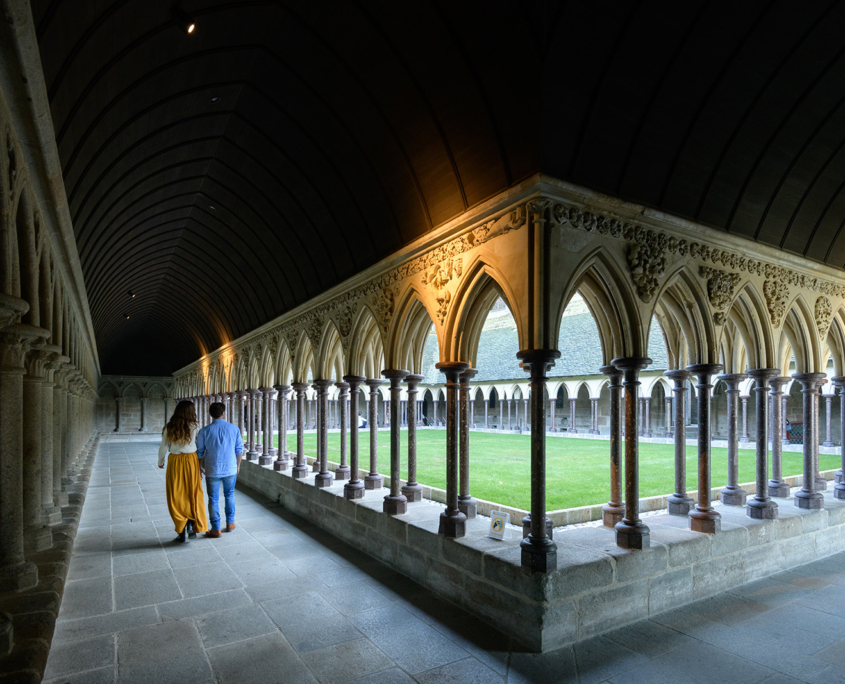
278	600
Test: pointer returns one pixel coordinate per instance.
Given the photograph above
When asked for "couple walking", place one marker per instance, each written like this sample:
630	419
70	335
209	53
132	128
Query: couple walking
214	451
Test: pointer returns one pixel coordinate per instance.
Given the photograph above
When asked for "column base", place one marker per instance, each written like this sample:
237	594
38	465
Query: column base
573	431
373	481
744	440
839	491
733	496
594	432
632	535
60	499
828	444
324	480
412	492
453	526
280	466
315	467
669	435
37	539
538	555
784	442
779	490
265	460
252	455
342	473
526	527
395	505
811	501
610	514
468	506
821	484
299	472
679	505
272	452
353	490
762	510
647	434
18	577
837	477
51	515
706	522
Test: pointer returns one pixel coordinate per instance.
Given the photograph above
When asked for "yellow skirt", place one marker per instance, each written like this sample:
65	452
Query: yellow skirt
185	499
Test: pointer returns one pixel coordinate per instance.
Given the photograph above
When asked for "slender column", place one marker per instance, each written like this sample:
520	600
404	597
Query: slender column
647	425
467	505
300	468
614	510
387	413
282	454
807	496
668	417
679	503
828	442
552	402
510	424
228	402
342	471
572	429
252	452
839	487
59	434
538	551
354	489
631	532
118	401
37	536
324	477
268	452
434	403
143	414
821	483
472	413
241	397
784	402
761	506
704	518
412	489
486	412
51	514
777	486
452	520
640	421
733	494
525	412
259	421
395	503
16	573
373	480
744	437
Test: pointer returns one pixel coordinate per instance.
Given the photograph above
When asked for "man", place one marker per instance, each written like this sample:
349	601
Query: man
220	448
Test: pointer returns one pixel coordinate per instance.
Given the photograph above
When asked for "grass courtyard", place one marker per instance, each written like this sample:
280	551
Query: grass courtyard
578	470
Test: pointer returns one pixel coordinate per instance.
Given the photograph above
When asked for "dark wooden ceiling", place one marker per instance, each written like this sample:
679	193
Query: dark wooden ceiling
226	176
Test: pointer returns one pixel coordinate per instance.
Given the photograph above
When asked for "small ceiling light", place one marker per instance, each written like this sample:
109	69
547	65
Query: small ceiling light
126	316
131	294
184	20
215	99
212	208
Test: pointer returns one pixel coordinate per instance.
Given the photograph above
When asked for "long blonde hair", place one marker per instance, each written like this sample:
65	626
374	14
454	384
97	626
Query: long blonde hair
181	423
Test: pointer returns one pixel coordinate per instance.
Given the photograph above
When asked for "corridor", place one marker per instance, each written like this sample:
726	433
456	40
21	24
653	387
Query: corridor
278	600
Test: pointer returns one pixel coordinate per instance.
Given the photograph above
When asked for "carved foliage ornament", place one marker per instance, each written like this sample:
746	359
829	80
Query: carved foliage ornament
720	290
823	315
776	292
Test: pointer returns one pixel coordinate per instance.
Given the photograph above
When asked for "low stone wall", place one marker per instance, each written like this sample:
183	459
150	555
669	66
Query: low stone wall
597	586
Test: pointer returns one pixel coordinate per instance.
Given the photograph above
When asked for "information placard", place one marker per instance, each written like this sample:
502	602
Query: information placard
498	523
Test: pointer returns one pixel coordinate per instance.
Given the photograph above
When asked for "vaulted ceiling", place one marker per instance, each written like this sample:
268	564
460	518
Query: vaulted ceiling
227	175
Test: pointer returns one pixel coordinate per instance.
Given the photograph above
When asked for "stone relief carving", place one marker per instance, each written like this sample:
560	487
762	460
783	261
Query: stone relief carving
776	292
823	315
647	262
720	290
385	302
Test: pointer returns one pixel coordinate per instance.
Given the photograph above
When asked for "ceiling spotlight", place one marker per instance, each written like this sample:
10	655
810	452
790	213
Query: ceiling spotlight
215	99
212	208
131	294
184	20
126	316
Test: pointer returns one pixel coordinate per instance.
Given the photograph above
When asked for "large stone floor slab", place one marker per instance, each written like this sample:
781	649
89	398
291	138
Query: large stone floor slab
337	615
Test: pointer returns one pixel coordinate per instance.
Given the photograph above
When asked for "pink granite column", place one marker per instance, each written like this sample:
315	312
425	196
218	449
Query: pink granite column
452	520
614	510
354	489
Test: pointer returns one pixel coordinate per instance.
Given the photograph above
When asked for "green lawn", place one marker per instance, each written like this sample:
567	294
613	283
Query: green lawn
578	470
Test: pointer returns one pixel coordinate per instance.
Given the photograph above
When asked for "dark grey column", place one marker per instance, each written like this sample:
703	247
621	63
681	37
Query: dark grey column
486	410
373	480
733	494
265	421
777	486
640	417
614	510
539	552
300	468
552	402
595	414
679	503
760	506
241	398
744	436
704	518
282	455
229	399
828	442
807	496
466	503
37	535
342	471
117	403
784	403
395	503
821	483
143	414
572	429
251	402
839	487
668	417
412	489
452	520
354	489
50	512
647	419
324	476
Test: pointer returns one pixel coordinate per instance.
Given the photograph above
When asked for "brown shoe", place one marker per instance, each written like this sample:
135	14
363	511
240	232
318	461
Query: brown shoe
230	527
213	534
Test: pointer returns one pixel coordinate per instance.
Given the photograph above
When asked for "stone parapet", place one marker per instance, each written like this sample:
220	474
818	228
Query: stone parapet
597	586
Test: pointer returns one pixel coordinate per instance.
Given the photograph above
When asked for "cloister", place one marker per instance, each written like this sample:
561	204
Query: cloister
356	224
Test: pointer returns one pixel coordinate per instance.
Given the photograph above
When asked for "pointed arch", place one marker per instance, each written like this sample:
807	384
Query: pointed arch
366	354
330	360
303	359
284	363
407	337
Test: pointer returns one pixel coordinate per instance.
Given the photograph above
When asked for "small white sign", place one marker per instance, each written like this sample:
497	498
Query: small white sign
498	523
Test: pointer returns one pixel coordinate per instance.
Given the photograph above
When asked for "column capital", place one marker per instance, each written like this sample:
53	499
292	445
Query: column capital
829	396
343	387
252	392
413	380
613	373
680	376
631	363
810	381
373	384
396	376
354	380
282	389
322	385
452	369
300	387
11	308
704	370
732	380
778	384
838	381
467	375
762	376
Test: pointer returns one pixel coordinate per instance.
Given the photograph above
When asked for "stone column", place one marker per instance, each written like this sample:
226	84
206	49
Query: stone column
552	402
452	520
51	514
37	536
640	417
525	412
808	497
143	426
300	468
466	504
282	455
395	503
342	471
704	518
241	398
258	410
679	503
784	406
538	551
412	489
354	489
733	494
510	423
828	442
647	422
839	487
251	402
434	404
118	401
16	574
744	437
631	532
821	483
471	405
777	486
613	511
572	429
669	417
761	506
486	412
59	432
324	477
268	451
373	480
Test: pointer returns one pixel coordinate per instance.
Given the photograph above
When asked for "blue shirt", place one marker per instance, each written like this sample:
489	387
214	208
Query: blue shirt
219	444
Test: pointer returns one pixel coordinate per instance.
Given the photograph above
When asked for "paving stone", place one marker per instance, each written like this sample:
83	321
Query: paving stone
206	579
346	661
392	676
197	557
103	675
357	599
833	654
594	665
236	624
84	598
247	551
829	675
80	655
557	667
141	562
649	638
145	589
167	652
90	565
307	606
266	659
67	630
261	571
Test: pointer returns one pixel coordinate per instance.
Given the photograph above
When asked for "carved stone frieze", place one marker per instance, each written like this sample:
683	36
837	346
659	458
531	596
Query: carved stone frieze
385	303
720	290
776	292
647	261
823	315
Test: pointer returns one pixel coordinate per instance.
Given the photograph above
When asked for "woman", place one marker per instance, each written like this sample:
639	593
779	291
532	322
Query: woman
185	499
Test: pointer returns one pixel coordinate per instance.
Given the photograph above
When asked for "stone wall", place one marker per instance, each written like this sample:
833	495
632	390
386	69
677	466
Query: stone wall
129	392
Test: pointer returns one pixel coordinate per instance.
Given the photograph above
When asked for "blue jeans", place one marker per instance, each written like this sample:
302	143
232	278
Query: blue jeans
212	485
